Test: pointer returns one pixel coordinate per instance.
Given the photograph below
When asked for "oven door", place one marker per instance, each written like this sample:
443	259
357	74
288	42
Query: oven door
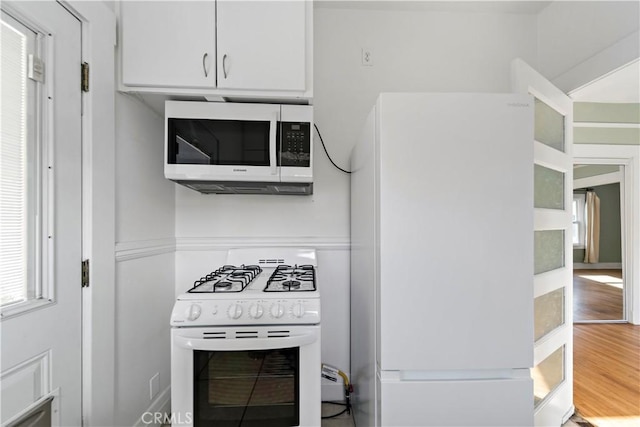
246	376
211	141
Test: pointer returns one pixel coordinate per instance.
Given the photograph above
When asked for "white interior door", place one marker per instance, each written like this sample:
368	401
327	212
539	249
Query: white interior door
41	311
553	283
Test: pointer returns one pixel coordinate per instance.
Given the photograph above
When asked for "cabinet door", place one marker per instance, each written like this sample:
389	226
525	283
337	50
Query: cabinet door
261	45
168	43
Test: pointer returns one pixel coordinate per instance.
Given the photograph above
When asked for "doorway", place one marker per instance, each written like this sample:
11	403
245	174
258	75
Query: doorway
604	347
598	221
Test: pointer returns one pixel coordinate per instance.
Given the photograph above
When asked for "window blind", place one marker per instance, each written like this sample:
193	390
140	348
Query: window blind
13	166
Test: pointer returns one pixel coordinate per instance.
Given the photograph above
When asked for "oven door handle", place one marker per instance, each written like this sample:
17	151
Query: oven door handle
231	344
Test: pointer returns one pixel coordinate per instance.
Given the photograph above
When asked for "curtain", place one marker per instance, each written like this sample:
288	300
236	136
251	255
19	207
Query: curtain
592	235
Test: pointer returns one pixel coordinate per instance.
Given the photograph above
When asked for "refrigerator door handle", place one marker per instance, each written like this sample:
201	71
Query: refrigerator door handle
456	375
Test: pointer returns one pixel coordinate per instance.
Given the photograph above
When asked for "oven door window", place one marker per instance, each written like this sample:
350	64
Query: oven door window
218	142
247	388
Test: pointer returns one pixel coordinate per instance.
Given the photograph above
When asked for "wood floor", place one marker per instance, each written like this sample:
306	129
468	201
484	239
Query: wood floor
597	295
606	383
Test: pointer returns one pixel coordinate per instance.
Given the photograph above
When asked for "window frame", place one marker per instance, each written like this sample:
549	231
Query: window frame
40	213
579	199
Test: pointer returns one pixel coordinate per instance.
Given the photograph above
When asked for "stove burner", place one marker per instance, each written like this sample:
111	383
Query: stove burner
228	278
286	278
291	284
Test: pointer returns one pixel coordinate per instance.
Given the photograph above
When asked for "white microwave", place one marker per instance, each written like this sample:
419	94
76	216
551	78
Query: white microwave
238	148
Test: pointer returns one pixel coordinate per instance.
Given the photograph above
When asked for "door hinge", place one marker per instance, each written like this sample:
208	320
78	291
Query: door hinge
85	273
84	68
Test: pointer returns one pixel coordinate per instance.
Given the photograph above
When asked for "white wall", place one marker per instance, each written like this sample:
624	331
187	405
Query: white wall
111	4
412	51
144	262
571	32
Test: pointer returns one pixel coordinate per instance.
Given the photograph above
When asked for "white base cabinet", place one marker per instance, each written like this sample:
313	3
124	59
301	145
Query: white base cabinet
217	49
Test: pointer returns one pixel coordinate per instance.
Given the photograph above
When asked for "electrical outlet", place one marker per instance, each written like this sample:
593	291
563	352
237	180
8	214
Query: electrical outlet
367	57
154	386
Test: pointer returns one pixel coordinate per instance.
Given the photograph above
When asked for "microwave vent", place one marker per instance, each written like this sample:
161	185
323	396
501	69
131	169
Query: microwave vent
290	189
250	190
220	187
205	187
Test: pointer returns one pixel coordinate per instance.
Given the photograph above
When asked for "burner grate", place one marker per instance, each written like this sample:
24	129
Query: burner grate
286	278
228	278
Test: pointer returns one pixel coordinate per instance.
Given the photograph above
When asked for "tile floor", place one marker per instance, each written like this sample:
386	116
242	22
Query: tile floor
346	420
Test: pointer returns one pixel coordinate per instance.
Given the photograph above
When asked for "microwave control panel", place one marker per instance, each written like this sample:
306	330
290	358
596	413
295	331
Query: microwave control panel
295	149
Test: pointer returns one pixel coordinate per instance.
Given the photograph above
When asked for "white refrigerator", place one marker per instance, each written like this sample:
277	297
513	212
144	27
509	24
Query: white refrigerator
442	261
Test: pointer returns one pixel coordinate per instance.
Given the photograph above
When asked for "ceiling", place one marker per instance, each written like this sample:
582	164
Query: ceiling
619	86
514	6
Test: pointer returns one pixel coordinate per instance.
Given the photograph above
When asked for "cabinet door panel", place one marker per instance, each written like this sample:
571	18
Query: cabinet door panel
168	43
261	45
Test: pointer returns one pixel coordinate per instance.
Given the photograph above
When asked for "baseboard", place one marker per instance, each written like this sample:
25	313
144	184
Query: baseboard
158	413
598	266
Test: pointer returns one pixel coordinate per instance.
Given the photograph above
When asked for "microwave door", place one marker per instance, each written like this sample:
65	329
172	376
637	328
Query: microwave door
190	154
223	149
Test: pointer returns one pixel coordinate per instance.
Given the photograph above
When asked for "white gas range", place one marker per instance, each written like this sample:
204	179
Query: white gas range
246	342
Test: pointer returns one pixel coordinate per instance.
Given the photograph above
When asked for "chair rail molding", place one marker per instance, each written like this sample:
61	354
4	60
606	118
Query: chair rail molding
126	251
224	243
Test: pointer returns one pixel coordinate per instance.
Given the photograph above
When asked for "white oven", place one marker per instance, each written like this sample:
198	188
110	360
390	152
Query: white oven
245	344
246	376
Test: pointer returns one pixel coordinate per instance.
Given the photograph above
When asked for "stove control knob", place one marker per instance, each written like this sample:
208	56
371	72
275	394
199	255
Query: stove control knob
256	311
235	311
277	310
194	312
298	310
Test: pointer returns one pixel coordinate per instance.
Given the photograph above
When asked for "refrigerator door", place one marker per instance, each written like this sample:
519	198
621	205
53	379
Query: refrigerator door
499	402
456	231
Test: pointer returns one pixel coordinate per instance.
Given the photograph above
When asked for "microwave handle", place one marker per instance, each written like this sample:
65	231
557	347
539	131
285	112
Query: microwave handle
272	144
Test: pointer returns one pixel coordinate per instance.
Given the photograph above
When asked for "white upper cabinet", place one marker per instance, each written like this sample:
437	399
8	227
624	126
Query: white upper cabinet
261	45
226	48
168	44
